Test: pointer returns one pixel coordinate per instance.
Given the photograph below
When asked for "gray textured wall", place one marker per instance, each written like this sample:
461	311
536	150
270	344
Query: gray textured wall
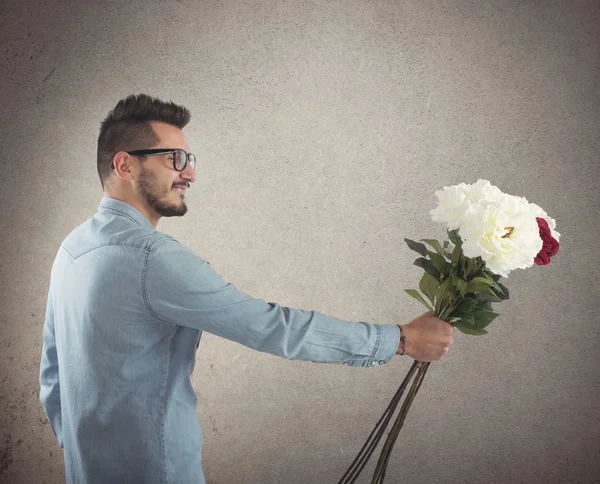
322	130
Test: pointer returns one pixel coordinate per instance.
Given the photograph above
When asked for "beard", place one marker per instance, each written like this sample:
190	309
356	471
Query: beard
165	201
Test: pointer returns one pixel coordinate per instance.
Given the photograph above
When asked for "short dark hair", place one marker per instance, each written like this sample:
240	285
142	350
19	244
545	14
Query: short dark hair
127	127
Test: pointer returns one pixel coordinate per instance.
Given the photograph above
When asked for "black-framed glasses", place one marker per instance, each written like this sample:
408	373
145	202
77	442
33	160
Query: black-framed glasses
180	157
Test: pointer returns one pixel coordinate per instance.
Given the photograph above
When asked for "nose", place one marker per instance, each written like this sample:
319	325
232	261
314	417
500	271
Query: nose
189	173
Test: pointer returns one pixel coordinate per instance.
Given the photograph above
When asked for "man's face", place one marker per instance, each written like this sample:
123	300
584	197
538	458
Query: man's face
157	179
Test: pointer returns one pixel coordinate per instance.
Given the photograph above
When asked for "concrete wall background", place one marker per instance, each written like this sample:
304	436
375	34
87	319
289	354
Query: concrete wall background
334	122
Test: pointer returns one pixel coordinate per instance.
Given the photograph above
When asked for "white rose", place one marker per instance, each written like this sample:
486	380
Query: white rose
484	190
454	201
503	232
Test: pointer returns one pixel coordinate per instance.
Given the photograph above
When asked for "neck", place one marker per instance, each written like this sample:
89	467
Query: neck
139	205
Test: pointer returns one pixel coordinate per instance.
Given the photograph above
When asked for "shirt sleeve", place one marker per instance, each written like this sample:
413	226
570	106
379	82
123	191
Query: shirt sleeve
182	289
49	376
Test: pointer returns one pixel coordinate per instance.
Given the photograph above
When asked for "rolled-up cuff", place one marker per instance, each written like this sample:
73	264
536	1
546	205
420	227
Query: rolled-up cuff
385	348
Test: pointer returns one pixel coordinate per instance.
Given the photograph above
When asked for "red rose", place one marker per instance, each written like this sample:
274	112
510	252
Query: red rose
550	247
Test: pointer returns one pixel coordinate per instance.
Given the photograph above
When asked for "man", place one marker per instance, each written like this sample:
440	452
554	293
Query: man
127	305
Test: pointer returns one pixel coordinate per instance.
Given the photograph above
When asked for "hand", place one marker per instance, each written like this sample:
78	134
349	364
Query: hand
427	337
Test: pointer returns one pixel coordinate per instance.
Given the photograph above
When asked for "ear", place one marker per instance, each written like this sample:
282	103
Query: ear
123	165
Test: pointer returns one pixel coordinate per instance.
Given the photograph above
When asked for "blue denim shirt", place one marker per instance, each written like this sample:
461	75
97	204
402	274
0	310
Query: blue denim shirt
126	307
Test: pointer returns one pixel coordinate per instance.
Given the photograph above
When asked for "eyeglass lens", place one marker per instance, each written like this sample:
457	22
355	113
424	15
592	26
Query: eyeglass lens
180	160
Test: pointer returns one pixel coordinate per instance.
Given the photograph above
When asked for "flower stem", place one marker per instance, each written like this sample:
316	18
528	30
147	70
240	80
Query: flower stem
368	448
393	435
359	463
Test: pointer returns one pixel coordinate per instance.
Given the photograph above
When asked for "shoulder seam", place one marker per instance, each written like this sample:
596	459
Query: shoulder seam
144	279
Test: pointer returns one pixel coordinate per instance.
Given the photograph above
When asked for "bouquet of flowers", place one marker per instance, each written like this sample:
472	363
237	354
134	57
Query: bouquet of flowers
493	233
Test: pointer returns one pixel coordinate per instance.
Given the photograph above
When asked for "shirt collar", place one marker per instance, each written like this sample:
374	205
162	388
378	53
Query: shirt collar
123	209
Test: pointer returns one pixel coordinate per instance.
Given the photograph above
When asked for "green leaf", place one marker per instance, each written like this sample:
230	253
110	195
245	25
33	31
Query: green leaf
441	296
435	244
466	306
414	293
471	266
468	319
454	237
474	331
486	306
478	288
428	286
484	297
505	294
487	276
420	248
481	284
495	287
438	261
460	284
428	266
484	317
480	280
456	255
481	270
494	294
472	314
